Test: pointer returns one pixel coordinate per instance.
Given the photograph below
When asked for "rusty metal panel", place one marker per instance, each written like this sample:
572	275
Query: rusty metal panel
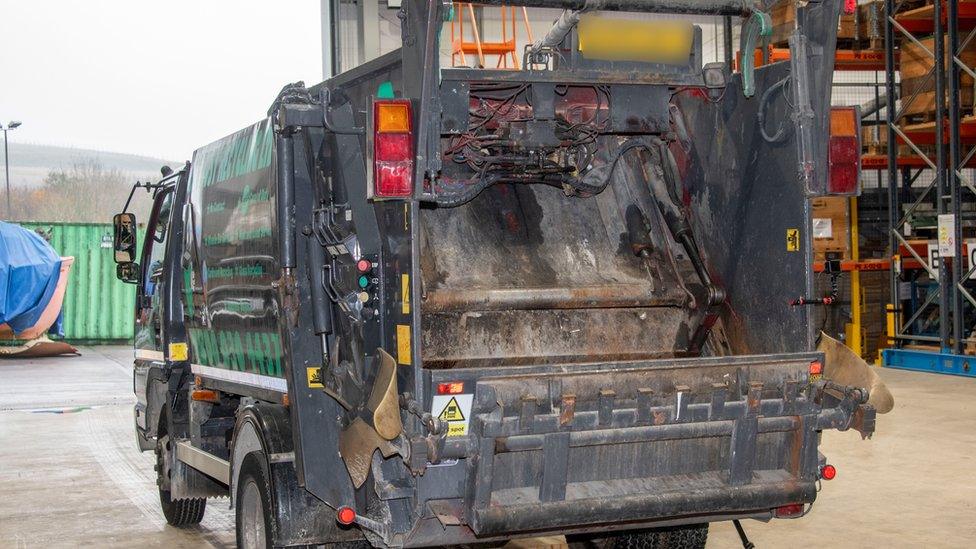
98	308
525	274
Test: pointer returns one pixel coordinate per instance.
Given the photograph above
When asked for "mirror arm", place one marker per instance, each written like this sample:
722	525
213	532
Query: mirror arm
132	191
149	186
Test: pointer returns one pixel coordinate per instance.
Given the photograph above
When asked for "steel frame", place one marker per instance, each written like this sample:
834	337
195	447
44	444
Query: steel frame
942	363
947	166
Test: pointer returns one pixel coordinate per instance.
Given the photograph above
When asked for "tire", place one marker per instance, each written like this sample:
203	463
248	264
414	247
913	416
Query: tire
257	526
692	536
179	512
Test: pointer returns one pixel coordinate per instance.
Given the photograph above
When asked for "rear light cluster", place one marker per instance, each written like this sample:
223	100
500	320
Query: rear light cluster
844	151
392	148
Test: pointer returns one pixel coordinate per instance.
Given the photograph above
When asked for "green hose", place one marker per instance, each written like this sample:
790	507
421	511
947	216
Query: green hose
756	25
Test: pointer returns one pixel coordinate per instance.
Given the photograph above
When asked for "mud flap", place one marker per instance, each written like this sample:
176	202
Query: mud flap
844	367
359	440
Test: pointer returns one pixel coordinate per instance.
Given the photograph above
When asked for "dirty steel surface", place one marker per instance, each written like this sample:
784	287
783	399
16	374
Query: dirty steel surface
70	474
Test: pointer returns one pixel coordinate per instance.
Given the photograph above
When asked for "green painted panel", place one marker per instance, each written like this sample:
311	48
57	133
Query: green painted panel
97	306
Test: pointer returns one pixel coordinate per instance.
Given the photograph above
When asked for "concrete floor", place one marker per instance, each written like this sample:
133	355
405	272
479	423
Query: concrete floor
70	474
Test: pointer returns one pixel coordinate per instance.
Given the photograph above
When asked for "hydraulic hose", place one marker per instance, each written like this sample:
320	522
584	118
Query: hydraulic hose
557	33
592	182
761	113
756	25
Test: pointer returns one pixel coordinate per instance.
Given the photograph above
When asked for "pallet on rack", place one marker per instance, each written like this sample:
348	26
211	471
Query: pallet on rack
915	64
923	133
864	29
861	44
831	227
919	17
874	139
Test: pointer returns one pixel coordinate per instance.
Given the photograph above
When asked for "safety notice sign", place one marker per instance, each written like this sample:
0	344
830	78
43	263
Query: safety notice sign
455	410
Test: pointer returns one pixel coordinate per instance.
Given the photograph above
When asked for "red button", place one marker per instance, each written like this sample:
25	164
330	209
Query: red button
364	265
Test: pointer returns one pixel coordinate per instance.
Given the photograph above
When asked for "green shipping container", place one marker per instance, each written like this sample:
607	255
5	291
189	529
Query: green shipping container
98	308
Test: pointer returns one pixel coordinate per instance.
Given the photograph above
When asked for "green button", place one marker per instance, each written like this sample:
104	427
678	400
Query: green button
363	282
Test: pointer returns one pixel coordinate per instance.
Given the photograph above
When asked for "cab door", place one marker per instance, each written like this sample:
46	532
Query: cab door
152	279
157	296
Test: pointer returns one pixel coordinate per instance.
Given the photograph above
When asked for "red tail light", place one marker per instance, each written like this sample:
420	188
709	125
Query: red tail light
450	388
392	148
844	151
345	515
828	472
788	511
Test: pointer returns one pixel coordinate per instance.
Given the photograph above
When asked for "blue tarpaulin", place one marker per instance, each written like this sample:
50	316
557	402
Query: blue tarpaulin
29	271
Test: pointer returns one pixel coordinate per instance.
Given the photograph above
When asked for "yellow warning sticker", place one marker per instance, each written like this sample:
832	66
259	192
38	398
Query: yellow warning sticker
405	293
177	351
452	412
455	410
314	375
403	344
792	240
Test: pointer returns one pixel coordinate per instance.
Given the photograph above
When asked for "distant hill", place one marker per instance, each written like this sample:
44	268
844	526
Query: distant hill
30	164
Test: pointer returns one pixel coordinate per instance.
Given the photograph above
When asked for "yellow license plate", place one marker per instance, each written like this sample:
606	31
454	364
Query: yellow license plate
612	39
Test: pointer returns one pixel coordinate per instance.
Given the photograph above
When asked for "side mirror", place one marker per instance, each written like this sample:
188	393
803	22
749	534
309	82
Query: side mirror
124	239
127	272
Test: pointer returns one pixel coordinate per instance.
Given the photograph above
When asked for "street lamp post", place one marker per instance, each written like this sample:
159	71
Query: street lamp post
6	160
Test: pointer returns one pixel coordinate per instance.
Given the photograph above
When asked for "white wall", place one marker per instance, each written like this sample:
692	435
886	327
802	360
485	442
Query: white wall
540	19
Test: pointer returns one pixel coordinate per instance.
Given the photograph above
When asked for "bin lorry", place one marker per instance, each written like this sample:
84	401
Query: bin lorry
417	305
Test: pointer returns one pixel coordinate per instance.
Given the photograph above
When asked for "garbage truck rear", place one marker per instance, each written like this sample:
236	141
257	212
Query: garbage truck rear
425	306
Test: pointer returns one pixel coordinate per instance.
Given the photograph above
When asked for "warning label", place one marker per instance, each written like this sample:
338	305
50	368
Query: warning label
452	412
455	410
792	240
314	375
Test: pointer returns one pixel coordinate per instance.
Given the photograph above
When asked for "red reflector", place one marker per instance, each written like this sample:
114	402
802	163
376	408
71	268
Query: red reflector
452	388
828	472
364	265
345	515
791	510
845	165
816	368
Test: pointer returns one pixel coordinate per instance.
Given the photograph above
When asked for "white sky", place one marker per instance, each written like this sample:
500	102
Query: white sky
158	78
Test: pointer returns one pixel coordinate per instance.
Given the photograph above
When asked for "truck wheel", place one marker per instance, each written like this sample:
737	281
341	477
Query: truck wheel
692	536
178	512
256	523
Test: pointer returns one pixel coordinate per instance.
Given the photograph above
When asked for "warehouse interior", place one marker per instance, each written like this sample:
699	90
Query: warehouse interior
890	277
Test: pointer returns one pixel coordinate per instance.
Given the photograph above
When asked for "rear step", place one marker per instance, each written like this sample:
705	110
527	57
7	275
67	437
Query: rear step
204	462
590	503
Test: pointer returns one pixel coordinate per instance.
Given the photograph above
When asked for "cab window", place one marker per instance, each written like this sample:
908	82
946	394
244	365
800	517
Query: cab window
156	243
